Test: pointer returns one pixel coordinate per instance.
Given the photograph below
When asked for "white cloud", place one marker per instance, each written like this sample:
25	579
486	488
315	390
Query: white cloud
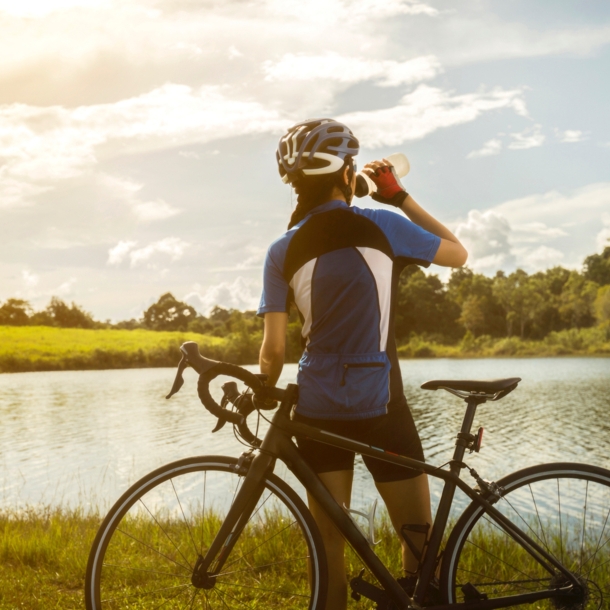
528	138
148	211
30	279
486	237
41	8
348	11
65	289
189	154
424	111
335	67
536	259
117	254
556	209
174	247
46	144
536	231
571	135
234	52
603	237
125	191
242	293
491	147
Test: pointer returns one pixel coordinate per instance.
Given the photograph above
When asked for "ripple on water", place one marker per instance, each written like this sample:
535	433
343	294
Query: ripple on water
83	437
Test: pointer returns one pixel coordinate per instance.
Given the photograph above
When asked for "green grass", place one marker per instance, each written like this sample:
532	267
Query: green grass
44	348
43	555
574	342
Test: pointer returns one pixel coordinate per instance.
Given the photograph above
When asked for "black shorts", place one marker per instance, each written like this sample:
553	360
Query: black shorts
393	432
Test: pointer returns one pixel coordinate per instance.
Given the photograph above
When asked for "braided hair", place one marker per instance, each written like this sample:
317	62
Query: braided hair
313	191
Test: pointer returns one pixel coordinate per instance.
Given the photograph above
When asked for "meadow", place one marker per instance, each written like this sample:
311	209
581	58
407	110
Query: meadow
45	348
43	557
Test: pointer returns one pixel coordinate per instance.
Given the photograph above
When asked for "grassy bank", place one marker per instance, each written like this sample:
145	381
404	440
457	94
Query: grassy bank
43	557
574	342
44	348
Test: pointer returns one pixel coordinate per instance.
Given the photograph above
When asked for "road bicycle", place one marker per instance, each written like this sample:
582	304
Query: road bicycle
218	532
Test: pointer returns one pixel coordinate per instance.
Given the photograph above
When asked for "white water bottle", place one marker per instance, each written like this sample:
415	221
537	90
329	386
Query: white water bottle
365	186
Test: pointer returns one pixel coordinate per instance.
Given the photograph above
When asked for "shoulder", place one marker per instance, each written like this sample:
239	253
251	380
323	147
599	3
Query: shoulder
278	248
391	222
407	239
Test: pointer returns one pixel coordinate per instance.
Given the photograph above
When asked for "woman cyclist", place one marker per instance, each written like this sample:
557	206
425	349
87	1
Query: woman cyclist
340	266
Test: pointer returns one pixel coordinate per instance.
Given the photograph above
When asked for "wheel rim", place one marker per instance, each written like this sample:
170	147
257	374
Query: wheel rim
567	512
147	551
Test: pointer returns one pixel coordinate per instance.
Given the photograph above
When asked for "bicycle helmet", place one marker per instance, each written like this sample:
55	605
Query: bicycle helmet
315	147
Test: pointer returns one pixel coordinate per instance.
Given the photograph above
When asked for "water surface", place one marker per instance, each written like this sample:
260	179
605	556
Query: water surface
82	437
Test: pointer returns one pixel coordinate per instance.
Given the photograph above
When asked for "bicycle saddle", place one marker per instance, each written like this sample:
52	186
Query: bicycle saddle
494	389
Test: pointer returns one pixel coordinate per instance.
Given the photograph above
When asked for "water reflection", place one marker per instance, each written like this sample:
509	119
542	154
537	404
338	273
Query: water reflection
83	437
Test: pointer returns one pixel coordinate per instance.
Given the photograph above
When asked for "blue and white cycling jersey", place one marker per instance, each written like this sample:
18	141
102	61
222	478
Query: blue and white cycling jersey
340	265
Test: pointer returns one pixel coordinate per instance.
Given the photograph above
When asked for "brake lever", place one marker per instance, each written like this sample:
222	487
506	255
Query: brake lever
178	380
230	395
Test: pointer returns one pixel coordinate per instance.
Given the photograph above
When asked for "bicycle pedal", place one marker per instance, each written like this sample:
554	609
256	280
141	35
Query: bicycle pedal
472	594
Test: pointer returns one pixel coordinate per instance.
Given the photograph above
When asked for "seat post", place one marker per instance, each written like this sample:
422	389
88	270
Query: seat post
458	455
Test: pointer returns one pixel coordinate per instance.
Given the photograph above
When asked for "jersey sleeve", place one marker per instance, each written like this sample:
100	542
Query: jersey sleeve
407	239
275	288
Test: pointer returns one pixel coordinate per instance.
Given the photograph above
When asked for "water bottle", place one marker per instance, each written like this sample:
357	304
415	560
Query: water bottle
365	186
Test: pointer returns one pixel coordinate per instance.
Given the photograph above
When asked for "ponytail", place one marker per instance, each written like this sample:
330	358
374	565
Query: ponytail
313	191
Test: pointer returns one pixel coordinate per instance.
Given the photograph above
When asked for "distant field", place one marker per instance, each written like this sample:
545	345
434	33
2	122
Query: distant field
43	348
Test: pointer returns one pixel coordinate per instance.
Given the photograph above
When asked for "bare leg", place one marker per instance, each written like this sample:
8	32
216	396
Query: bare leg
339	484
408	501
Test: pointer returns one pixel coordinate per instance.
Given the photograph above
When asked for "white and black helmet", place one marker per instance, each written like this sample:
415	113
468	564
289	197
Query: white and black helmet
315	147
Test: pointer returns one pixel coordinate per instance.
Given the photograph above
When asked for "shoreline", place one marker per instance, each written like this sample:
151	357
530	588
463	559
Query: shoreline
40	348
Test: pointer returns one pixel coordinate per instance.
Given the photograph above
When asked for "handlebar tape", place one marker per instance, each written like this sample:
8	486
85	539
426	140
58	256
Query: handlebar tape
232	370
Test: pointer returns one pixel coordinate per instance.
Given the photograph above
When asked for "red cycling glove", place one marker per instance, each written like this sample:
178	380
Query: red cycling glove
389	189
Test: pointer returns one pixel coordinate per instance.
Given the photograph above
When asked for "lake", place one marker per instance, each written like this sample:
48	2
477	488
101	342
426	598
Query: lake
82	437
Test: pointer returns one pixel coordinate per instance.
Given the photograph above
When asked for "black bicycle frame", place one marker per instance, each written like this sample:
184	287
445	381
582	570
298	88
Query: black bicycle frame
278	444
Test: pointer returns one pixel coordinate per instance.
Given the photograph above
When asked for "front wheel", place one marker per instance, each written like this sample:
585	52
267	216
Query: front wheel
145	550
565	508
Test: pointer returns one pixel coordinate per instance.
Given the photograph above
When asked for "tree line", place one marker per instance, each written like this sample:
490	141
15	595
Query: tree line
528	306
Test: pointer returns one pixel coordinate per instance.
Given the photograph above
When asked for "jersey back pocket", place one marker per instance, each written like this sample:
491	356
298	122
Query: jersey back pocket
343	386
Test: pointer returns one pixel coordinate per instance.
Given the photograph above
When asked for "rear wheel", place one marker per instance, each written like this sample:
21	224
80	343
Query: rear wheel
565	508
145	550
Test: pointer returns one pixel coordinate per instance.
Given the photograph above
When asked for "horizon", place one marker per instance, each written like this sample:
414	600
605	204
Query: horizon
137	138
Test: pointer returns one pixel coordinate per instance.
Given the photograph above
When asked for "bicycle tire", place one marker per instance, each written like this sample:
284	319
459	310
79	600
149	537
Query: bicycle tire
145	550
563	507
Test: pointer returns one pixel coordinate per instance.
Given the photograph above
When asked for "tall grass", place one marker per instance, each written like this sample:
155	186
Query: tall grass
43	555
44	348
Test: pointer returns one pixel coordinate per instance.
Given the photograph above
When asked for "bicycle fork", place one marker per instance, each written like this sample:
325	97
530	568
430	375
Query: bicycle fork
208	566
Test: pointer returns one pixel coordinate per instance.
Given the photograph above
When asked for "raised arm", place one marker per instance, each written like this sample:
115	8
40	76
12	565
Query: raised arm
390	191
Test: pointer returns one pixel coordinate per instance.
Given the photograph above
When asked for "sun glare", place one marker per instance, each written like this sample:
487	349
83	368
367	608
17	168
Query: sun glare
40	8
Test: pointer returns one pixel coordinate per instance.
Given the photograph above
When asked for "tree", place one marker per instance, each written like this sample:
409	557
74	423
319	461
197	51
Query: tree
522	298
58	313
576	301
168	314
597	267
15	312
481	313
602	305
424	308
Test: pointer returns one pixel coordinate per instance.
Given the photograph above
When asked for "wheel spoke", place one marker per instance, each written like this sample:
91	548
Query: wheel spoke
143	557
166	534
565	508
188	527
153	549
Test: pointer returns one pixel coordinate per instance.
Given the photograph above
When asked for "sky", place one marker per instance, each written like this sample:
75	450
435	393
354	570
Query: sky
137	137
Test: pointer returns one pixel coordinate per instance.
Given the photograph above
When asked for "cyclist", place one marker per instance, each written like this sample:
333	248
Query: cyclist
340	266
